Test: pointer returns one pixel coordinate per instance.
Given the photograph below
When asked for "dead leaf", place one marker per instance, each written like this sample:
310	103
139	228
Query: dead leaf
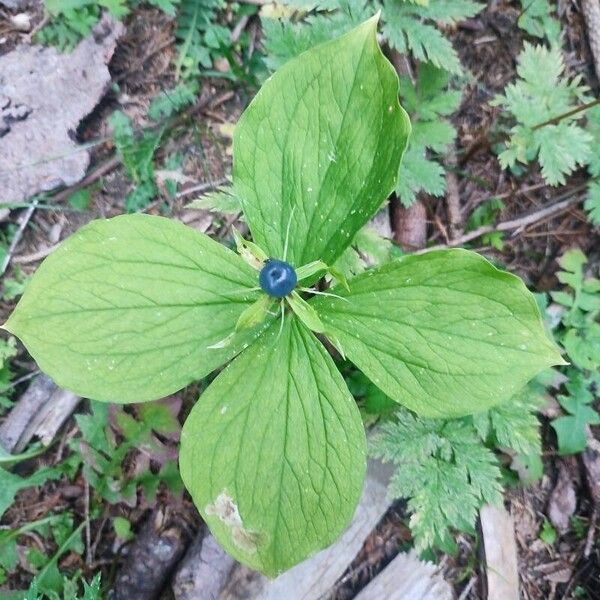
563	500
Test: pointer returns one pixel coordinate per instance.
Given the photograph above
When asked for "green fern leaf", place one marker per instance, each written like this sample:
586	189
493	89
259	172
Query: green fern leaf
195	19
444	469
542	94
412	27
592	203
427	101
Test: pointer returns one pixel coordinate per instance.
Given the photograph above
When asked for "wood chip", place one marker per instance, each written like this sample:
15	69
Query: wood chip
500	553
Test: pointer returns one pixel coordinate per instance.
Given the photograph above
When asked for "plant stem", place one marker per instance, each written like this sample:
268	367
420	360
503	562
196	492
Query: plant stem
54	560
569	113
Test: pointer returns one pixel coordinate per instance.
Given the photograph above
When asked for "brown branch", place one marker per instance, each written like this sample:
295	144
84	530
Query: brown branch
567	114
565	201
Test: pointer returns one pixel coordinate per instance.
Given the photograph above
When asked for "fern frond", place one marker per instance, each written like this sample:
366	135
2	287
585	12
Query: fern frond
194	20
444	469
543	93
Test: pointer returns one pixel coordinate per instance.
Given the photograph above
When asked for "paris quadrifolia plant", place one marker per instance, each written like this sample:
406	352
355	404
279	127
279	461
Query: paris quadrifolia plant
136	307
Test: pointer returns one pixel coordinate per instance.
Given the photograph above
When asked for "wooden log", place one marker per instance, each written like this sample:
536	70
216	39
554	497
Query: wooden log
407	578
410	225
153	556
314	577
204	570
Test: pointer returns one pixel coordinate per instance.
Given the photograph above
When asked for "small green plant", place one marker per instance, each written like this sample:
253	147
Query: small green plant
71	20
557	123
8	350
538	18
448	468
427	101
134	308
486	214
548	534
407	26
137	155
104	457
578	332
541	94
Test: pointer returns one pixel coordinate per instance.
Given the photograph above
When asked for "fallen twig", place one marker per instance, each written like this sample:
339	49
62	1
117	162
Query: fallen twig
202	187
520	222
40	412
18	235
455	228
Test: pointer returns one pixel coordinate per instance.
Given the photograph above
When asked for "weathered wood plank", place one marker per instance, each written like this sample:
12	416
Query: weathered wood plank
500	553
407	578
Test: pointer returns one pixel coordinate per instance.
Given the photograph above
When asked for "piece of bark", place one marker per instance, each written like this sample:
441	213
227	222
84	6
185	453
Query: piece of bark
591	463
591	13
410	225
314	577
563	500
40	412
14	4
153	556
500	553
44	95
407	578
204	570
12	430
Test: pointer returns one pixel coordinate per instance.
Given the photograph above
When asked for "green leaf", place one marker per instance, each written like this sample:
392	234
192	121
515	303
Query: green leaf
169	102
445	471
548	534
543	93
408	26
318	148
222	200
592	203
274	451
514	424
444	333
305	312
571	429
11	484
255	314
126	308
562	148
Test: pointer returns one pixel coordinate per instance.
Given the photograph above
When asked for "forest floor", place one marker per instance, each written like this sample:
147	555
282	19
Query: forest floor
552	563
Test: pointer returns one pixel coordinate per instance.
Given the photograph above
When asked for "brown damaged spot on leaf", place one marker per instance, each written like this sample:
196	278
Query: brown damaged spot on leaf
227	511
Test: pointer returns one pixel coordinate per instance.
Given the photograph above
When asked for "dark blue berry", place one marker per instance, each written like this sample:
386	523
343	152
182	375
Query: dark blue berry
277	278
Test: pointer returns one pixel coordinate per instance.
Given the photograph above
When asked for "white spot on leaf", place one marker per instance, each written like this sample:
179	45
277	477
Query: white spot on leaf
227	511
